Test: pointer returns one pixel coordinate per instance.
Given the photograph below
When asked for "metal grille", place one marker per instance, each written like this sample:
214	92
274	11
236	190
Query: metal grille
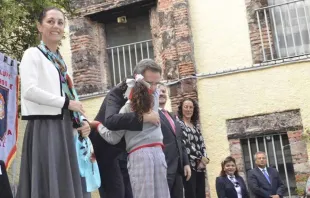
278	152
284	29
123	58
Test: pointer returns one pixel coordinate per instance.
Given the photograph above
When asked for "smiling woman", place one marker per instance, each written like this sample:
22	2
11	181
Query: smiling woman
229	184
195	147
51	25
49	166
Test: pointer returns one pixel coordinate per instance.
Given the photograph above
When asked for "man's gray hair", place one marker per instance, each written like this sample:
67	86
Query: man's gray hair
259	152
147	64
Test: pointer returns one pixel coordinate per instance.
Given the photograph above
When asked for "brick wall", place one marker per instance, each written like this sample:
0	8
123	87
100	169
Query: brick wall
173	46
236	152
299	157
89	63
255	38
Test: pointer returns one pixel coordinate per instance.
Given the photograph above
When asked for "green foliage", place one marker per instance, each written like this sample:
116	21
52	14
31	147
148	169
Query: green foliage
18	20
300	191
306	135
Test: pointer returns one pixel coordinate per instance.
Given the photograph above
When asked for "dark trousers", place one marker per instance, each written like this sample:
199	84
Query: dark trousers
175	182
115	181
195	186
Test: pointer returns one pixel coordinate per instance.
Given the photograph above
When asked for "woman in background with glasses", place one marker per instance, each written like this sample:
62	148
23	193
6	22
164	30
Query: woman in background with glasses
229	184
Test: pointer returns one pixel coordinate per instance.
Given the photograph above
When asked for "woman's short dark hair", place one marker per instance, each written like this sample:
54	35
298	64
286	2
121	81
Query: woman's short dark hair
142	100
227	160
42	15
195	116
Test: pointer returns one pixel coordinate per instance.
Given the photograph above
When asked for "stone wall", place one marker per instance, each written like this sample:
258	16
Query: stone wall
255	37
264	124
87	7
89	63
173	47
299	157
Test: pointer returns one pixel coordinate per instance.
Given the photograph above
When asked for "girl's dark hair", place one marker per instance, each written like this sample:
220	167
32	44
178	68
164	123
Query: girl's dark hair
195	116
42	15
142	101
227	160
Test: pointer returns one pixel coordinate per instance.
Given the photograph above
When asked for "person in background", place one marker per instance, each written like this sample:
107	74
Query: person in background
110	157
263	181
49	165
188	114
175	152
229	184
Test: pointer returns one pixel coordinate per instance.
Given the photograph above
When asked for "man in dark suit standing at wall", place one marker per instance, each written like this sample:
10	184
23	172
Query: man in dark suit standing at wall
265	182
176	156
109	156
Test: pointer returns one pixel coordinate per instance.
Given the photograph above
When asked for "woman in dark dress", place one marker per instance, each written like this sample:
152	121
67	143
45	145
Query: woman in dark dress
229	184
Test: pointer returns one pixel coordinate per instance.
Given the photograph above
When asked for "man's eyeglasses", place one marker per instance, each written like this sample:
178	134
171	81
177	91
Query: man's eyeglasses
153	83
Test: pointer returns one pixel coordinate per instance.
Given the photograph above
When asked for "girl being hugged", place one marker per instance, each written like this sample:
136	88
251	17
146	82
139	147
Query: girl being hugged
146	162
49	166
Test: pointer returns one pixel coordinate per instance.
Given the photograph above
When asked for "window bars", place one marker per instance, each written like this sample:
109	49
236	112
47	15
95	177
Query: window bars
277	149
123	58
283	28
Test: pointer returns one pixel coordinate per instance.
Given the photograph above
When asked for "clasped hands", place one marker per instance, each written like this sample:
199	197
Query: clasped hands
77	106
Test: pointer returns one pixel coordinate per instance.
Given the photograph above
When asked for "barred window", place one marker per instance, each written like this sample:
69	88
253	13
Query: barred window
284	29
278	152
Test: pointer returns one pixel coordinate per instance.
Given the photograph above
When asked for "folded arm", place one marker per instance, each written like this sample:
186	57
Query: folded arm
120	121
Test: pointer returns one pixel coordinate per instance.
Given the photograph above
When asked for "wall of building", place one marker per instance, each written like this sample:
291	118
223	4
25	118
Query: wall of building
215	49
243	94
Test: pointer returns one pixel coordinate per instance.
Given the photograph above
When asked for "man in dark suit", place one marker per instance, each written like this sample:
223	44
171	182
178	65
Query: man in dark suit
176	156
265	182
112	179
5	188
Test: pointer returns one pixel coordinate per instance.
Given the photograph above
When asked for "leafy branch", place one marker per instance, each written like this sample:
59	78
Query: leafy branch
18	20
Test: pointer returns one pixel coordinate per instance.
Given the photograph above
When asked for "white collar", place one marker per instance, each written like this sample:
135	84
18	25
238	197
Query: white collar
231	176
263	169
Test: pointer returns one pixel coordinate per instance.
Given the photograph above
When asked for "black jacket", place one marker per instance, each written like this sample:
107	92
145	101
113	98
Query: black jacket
110	117
259	185
226	189
175	152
